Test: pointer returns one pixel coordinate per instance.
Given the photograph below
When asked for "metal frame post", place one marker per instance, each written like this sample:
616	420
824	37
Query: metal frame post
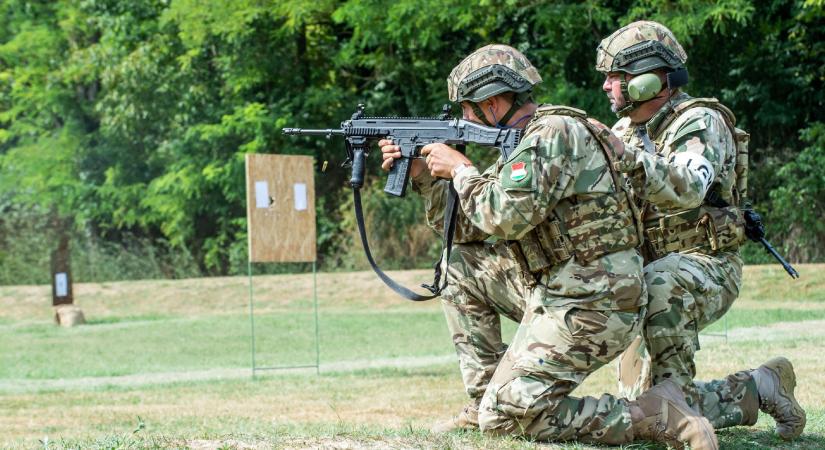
317	364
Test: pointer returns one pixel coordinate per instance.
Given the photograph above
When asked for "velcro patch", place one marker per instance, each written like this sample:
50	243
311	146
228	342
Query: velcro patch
697	164
517	173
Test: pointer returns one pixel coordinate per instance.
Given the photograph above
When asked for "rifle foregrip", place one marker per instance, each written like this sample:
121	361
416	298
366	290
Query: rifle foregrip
398	177
358	168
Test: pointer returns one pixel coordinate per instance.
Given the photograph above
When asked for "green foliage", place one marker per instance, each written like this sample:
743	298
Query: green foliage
129	120
798	203
398	235
27	240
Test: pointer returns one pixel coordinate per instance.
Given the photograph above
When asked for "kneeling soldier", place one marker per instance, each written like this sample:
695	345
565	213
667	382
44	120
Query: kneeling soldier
682	161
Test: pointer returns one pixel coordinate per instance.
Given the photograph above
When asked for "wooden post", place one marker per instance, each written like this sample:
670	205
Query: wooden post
61	273
66	313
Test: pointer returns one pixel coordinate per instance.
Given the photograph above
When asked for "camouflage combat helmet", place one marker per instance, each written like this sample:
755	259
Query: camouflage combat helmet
640	47
492	70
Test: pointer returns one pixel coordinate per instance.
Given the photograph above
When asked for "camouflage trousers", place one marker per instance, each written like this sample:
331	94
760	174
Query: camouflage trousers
578	319
483	285
688	292
553	351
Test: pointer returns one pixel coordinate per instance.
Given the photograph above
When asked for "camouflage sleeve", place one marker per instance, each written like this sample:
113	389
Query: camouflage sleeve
526	187
434	191
678	177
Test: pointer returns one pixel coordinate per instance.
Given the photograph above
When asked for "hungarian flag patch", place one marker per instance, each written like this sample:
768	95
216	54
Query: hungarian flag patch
518	171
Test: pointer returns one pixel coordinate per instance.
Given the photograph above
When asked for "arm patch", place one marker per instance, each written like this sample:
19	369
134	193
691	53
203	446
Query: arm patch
699	165
517	173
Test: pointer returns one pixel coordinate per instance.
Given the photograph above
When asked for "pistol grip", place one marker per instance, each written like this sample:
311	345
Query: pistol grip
399	177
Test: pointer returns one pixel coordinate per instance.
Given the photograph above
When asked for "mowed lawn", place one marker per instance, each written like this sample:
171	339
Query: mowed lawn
168	364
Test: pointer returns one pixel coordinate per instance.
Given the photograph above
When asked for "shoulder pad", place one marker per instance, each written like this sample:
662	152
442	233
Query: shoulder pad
560	111
688	123
707	102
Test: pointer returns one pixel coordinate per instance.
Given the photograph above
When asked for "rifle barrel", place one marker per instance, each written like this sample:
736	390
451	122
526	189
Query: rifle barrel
787	266
310	132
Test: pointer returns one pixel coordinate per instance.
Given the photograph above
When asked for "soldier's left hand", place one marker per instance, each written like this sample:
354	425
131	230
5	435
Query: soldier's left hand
442	159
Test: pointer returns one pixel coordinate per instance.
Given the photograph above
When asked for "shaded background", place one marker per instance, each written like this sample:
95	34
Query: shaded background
123	125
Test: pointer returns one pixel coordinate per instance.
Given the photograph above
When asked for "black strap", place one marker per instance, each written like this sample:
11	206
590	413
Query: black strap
677	78
450	212
400	290
646	142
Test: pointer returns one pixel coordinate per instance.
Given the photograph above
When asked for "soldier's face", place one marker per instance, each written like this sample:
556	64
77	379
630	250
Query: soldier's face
612	87
469	114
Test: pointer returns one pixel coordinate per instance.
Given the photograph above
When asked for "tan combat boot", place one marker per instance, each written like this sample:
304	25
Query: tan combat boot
775	382
467	419
662	415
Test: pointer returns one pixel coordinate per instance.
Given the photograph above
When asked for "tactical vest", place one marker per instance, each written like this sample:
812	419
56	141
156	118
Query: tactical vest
581	228
715	225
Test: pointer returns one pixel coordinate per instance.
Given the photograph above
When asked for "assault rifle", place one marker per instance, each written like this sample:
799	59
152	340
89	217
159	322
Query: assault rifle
755	231
410	133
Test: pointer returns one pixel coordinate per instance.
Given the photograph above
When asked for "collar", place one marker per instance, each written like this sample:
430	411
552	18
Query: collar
652	124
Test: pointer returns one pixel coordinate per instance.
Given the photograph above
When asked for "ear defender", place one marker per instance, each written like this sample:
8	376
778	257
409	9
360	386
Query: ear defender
644	87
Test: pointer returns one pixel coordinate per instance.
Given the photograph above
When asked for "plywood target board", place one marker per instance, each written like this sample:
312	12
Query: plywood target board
280	196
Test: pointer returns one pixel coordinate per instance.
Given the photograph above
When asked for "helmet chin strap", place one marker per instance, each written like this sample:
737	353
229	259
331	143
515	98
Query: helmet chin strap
520	99
480	114
629	105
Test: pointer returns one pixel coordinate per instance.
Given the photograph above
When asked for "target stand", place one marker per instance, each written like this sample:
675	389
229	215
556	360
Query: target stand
281	228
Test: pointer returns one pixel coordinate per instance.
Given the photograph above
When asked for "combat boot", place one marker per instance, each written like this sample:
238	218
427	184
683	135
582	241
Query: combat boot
467	419
775	382
662	415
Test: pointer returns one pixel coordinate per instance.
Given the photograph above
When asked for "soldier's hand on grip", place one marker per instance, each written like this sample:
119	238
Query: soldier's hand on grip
390	152
442	159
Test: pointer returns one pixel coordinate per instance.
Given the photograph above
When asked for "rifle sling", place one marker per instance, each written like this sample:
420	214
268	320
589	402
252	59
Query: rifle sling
449	229
450	211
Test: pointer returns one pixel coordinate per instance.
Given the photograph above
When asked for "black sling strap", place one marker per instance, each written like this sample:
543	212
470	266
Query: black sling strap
450	213
449	229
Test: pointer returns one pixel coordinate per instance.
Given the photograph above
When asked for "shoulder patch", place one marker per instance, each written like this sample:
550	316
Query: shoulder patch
517	173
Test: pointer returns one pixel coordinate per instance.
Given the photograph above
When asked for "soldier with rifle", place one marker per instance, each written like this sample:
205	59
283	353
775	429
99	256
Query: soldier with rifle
687	165
568	230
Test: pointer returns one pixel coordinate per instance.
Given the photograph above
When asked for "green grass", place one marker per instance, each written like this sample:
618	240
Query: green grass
154	344
162	343
49	375
741	318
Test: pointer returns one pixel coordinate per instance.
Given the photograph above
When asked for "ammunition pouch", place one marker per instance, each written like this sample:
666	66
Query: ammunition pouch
705	229
589	230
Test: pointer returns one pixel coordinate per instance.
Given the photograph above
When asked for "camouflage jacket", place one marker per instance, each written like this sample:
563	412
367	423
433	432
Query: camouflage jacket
558	164
694	155
434	191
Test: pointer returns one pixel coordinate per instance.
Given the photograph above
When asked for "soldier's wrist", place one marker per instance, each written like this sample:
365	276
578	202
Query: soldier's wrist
459	168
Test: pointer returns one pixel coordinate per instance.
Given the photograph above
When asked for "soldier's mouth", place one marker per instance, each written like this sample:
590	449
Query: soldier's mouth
614	106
